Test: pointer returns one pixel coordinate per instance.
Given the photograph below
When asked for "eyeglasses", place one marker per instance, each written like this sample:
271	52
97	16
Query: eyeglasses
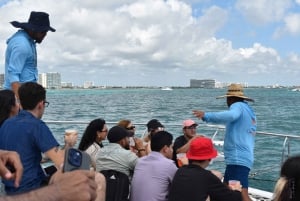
46	103
157	129
160	129
191	127
130	128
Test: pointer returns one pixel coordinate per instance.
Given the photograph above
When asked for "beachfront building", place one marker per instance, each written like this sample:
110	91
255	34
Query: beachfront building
67	85
88	84
50	80
207	83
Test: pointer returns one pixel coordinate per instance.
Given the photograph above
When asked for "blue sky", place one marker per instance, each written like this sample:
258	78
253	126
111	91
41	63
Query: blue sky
165	42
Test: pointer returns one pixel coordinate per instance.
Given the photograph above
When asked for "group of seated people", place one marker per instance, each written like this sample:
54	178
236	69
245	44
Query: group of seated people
149	165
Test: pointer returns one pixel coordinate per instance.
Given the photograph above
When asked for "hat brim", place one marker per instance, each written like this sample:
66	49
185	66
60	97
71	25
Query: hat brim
206	157
25	25
243	97
194	124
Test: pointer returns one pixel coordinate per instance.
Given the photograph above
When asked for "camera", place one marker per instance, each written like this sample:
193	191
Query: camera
76	159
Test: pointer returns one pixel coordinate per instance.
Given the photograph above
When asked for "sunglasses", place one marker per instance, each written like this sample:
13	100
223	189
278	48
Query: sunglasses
191	127
130	128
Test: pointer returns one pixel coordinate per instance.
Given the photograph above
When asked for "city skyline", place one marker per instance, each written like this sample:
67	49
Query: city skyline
165	42
53	80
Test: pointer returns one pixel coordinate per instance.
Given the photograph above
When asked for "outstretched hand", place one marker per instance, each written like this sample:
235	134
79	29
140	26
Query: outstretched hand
11	166
198	113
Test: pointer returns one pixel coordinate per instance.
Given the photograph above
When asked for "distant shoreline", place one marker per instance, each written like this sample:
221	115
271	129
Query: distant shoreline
173	87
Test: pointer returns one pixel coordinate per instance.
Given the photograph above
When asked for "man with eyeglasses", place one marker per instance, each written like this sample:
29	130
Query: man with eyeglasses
182	143
29	136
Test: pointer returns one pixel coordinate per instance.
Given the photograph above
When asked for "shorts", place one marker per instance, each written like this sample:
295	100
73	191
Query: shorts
237	172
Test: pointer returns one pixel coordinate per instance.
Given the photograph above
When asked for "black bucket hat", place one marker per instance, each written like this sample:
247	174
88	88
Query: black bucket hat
38	22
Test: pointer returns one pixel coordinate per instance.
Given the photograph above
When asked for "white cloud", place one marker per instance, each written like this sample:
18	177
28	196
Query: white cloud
293	23
261	12
144	42
291	26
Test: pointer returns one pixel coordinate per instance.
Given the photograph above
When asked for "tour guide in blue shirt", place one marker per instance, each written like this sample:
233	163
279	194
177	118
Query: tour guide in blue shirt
239	140
21	56
29	136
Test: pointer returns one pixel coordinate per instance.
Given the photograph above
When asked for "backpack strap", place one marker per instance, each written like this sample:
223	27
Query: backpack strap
117	185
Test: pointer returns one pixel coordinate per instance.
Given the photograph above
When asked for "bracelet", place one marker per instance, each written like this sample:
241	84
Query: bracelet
139	150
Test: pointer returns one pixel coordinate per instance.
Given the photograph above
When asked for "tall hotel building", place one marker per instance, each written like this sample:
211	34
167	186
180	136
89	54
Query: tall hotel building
207	83
50	80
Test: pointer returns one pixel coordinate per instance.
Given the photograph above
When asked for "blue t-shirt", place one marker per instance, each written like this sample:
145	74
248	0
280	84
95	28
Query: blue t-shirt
28	136
20	59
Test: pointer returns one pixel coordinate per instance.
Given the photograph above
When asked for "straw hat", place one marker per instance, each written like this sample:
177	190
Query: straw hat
236	90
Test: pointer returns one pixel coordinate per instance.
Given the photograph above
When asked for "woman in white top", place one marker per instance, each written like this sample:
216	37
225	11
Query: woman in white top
92	138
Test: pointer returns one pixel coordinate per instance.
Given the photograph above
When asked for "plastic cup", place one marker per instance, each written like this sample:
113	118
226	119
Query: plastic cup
131	142
234	183
181	159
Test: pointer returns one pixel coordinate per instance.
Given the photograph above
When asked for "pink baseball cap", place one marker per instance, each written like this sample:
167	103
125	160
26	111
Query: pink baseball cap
188	123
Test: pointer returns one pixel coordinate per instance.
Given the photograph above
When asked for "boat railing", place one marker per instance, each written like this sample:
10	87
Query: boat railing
271	149
286	146
217	128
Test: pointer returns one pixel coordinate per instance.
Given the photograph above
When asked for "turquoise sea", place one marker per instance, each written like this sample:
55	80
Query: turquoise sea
277	110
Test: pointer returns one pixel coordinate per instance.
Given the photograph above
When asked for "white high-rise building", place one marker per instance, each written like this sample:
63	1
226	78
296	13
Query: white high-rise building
88	84
50	80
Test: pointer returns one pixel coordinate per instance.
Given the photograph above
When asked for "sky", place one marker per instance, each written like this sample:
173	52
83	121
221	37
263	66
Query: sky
164	42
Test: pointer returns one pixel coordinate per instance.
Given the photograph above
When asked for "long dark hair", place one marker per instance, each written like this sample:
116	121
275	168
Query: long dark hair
90	133
7	101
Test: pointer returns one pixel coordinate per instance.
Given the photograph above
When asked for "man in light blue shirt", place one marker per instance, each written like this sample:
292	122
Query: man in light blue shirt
239	140
154	173
21	56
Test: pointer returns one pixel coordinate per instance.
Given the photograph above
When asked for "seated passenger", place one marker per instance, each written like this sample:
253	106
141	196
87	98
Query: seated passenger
116	155
128	125
153	126
193	182
182	143
29	136
287	187
91	141
154	173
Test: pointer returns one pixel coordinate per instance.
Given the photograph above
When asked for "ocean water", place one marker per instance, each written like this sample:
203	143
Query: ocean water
277	111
